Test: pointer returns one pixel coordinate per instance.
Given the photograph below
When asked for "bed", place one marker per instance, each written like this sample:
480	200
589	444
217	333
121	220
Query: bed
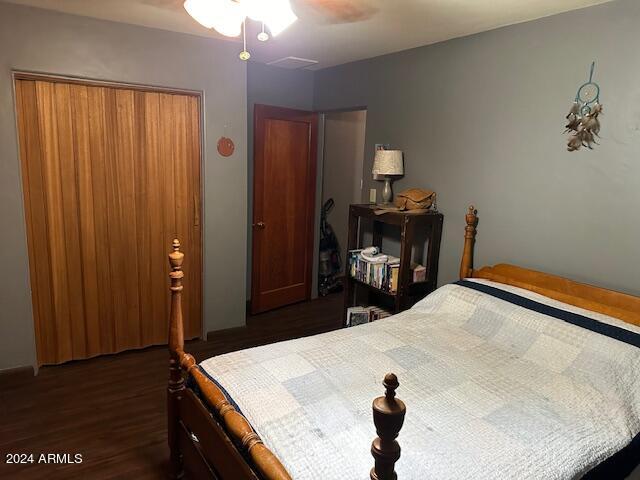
508	373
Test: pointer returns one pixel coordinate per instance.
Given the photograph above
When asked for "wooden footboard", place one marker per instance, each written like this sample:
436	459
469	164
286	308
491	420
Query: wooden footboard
210	439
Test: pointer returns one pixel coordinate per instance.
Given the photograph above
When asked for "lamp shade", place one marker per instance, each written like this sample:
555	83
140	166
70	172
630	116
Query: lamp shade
388	162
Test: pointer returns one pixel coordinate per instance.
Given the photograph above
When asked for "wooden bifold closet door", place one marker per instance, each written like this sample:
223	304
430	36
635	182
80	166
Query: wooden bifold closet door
110	176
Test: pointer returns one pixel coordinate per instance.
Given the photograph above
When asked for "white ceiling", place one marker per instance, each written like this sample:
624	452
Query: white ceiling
394	25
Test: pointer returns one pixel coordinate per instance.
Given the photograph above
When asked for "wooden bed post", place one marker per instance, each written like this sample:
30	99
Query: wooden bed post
388	417
466	266
176	350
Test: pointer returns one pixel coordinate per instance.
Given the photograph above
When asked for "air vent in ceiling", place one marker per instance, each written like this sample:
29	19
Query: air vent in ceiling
294	63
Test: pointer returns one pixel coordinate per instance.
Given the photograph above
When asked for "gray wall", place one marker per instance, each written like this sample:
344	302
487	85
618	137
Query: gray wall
344	134
279	87
38	40
480	120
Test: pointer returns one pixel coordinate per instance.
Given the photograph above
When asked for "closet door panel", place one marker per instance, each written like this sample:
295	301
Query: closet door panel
155	272
87	225
127	326
101	201
111	176
36	215
45	94
115	224
145	196
70	218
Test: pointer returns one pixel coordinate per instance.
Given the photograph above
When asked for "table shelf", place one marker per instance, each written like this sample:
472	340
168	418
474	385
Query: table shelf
408	292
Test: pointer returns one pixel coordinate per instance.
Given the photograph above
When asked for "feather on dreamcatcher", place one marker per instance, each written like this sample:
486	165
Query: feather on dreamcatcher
583	122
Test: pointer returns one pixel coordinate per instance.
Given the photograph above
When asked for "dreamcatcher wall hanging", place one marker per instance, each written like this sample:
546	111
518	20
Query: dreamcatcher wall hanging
584	124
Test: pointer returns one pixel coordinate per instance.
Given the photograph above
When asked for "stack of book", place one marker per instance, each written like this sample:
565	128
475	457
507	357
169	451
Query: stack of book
379	274
362	315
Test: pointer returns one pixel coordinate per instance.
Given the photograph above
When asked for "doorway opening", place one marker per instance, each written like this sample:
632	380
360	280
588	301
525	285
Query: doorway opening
309	159
342	181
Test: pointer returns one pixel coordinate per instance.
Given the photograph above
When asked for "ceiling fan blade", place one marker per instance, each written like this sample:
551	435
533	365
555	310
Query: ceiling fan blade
334	11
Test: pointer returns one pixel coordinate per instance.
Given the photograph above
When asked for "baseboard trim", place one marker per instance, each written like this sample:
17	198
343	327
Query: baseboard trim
17	373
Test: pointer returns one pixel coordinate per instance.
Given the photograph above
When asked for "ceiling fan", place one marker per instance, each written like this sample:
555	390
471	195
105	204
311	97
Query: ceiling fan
228	17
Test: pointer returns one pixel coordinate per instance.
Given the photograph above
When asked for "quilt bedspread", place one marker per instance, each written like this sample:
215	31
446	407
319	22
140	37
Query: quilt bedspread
493	390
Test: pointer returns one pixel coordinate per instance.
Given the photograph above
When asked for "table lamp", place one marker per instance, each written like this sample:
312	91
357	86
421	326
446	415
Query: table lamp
386	165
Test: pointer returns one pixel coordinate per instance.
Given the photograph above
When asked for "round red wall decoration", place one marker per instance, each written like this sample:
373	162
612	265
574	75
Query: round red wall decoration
226	147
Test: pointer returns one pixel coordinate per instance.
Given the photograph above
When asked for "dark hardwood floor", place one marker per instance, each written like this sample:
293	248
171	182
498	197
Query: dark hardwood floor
112	409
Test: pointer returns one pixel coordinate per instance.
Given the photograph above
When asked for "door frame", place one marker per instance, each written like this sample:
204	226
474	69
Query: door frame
18	74
260	113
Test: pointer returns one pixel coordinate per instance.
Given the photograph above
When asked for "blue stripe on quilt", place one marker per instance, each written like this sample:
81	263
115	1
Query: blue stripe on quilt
611	331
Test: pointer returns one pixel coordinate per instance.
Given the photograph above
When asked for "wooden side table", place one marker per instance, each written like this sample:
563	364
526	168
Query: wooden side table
408	292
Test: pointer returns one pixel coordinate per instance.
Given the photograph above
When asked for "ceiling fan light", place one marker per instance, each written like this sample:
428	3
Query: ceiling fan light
203	11
225	16
229	21
229	27
279	16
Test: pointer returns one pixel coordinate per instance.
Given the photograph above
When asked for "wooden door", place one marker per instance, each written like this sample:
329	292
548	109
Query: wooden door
284	185
110	176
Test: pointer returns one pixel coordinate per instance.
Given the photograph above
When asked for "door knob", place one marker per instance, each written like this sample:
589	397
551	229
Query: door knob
260	225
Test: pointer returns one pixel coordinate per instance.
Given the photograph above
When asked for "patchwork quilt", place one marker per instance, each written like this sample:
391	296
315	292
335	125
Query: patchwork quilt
499	383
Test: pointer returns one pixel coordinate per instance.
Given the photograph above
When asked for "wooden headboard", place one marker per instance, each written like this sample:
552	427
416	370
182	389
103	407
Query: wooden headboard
609	302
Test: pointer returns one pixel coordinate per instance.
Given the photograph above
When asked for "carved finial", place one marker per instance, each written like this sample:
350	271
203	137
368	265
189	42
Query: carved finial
471	217
390	383
176	257
466	265
388	417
